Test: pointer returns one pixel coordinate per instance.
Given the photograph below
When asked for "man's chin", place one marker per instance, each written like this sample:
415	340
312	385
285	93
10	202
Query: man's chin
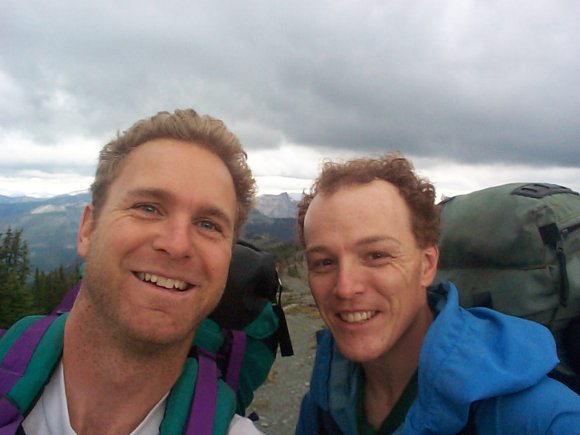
357	352
155	337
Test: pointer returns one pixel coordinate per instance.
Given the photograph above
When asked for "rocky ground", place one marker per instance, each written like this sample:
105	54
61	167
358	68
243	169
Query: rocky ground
277	402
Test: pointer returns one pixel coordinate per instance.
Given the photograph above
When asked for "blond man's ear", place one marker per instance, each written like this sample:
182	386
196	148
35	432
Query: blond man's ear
86	227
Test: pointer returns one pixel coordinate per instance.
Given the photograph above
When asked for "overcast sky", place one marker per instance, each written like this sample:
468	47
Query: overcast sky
477	93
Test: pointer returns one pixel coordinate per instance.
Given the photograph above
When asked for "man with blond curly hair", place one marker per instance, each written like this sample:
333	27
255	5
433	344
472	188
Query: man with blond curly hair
168	201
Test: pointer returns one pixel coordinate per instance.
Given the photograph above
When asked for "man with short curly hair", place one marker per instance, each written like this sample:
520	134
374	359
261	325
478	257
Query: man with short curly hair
400	355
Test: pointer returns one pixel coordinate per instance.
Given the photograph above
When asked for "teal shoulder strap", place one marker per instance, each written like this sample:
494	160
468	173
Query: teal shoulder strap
180	400
44	360
14	332
28	354
179	405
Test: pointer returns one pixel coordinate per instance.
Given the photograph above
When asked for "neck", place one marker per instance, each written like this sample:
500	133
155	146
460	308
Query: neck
110	381
387	377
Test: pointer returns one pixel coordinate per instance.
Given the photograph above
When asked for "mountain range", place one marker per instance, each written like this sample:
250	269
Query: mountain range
49	225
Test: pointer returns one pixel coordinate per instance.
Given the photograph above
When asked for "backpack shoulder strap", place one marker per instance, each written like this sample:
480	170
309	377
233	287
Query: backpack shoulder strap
212	403
207	408
67	302
13	368
235	357
203	407
20	353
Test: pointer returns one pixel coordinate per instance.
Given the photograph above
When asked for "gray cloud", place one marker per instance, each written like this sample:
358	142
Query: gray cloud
474	82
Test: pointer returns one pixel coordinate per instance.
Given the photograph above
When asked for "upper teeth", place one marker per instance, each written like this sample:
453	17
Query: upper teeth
358	316
162	281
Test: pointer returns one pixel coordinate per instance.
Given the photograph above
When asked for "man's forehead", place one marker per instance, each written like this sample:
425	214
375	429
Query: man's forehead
376	210
382	190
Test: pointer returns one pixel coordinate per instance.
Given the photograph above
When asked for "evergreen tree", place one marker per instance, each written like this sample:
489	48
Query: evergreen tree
15	299
50	288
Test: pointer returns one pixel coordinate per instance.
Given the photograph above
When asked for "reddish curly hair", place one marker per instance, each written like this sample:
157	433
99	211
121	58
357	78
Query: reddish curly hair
394	168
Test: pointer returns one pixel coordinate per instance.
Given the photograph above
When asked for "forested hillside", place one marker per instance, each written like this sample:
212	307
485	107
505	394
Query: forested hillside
22	290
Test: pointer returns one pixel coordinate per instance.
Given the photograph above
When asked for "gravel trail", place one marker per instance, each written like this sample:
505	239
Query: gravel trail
277	402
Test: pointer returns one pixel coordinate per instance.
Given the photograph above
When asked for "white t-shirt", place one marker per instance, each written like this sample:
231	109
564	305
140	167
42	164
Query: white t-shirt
50	414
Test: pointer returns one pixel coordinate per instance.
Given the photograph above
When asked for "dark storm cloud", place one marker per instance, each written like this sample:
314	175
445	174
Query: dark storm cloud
470	81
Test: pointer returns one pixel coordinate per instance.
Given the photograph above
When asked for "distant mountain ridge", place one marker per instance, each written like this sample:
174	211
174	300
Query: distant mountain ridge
16	199
277	206
50	224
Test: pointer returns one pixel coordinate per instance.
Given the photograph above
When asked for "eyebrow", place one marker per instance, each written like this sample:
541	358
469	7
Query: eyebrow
375	239
362	242
149	193
161	195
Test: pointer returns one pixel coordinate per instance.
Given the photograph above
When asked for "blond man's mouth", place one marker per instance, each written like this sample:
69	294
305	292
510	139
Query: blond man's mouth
162	281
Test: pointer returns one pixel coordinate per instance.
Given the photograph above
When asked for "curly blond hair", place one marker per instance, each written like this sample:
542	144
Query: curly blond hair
188	126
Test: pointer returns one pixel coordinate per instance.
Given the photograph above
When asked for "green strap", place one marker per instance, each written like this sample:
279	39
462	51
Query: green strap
180	399
14	332
44	360
48	354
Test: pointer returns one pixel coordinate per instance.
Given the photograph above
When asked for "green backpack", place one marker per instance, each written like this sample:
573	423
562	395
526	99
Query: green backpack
516	248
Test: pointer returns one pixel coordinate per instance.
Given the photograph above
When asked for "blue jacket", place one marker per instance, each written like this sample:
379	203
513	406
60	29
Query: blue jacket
479	356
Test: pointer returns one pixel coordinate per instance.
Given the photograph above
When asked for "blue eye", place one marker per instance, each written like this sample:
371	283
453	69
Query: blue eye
147	208
208	225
